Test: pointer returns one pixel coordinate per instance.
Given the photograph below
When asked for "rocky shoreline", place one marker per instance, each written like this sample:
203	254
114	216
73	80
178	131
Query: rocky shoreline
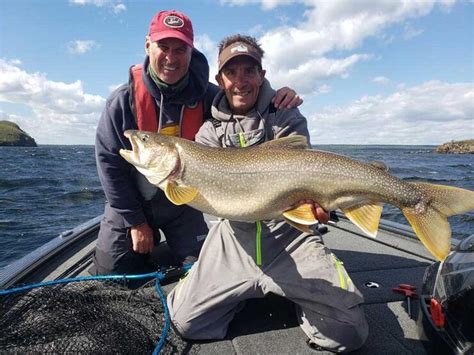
11	135
457	147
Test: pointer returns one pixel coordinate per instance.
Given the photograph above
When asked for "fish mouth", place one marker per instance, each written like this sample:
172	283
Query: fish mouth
131	156
148	165
128	155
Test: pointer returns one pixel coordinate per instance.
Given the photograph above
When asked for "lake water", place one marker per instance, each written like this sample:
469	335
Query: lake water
48	189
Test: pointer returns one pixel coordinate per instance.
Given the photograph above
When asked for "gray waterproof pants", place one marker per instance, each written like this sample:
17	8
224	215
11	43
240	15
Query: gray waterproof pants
204	303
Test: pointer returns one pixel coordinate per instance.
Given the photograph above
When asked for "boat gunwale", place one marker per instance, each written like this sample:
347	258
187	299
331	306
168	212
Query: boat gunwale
26	265
17	270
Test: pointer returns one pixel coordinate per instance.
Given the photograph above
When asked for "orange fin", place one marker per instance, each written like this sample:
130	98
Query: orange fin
302	214
180	195
301	227
366	217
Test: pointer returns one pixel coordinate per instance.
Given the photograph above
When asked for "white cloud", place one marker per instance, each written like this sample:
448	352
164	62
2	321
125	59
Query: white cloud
209	48
266	4
324	89
304	77
81	46
410	31
381	80
116	6
430	113
302	53
119	8
58	109
256	30
15	62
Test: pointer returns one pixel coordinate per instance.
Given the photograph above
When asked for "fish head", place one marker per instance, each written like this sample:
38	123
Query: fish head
154	155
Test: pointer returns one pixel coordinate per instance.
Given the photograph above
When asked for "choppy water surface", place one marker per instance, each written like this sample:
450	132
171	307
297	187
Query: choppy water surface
48	189
43	191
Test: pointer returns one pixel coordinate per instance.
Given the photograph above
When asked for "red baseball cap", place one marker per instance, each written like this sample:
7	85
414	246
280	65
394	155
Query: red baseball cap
171	24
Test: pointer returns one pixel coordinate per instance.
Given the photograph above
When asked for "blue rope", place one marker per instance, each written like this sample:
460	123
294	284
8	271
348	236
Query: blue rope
166	328
159	276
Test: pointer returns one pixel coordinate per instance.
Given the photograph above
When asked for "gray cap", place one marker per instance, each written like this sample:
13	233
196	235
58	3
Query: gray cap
237	49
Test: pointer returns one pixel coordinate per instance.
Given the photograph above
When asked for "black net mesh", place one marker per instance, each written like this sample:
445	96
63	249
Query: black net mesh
86	316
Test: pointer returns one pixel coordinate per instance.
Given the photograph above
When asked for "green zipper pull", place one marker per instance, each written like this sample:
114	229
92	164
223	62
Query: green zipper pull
242	140
258	246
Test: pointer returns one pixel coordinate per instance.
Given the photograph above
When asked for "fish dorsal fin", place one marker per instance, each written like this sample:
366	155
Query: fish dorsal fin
293	142
180	195
379	165
302	214
366	217
299	226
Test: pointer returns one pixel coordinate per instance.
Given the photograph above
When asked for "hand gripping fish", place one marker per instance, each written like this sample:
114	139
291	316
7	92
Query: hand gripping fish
266	181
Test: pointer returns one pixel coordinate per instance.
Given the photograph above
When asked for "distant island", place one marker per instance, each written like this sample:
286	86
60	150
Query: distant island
461	147
13	136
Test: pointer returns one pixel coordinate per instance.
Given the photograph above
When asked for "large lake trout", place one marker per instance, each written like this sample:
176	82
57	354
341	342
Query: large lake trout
267	181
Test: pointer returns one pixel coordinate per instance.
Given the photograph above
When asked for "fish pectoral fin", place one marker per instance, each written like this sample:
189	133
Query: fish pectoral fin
302	227
366	217
293	142
302	214
300	217
180	195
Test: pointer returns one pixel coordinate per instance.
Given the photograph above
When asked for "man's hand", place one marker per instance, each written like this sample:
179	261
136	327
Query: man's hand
319	213
286	98
142	238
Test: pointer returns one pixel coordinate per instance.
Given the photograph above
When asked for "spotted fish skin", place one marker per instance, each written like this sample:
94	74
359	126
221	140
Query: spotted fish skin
265	181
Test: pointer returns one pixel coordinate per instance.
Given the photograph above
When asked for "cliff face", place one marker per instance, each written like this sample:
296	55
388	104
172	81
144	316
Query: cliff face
461	147
14	136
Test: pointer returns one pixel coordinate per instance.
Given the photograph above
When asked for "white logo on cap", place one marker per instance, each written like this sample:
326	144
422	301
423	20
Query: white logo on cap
173	21
239	48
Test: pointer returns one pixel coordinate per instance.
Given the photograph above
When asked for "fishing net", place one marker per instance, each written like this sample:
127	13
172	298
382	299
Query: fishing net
91	316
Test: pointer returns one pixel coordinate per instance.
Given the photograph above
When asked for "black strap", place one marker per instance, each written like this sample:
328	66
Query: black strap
215	123
272	108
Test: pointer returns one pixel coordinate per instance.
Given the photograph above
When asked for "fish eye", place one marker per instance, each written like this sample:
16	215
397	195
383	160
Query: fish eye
145	137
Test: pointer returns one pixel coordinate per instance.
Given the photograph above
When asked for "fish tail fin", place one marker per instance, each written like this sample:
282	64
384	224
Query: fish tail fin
429	217
449	200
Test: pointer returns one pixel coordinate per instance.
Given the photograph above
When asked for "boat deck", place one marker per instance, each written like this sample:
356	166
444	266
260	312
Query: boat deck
269	325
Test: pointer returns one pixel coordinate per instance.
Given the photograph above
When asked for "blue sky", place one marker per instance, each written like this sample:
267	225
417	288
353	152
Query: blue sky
370	71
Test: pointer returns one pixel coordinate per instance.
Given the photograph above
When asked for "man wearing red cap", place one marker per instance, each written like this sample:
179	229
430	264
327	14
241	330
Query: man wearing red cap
169	93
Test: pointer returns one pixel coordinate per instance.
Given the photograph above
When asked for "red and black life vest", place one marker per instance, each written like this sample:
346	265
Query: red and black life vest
144	108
